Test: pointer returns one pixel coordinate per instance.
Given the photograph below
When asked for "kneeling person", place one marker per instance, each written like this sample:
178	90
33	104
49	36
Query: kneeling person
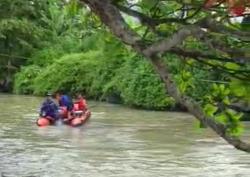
80	111
65	105
48	112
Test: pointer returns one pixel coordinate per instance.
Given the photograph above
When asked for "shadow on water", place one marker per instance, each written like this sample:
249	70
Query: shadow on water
117	141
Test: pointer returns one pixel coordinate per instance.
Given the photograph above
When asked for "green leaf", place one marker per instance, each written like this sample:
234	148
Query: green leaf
236	130
232	66
222	87
226	101
238	88
209	109
149	3
222	118
234	115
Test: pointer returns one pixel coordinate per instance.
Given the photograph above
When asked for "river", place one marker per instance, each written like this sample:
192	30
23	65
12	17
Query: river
117	141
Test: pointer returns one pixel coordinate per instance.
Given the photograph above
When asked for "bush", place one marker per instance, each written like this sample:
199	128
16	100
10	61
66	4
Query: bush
100	75
139	86
24	80
55	49
71	73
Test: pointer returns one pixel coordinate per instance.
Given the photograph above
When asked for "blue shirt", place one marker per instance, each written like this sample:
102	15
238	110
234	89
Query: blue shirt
66	101
49	108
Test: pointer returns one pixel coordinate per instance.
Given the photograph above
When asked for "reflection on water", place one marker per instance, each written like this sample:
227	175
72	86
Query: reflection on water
117	141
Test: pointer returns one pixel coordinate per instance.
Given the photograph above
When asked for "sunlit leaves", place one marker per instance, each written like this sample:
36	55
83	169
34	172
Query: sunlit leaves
232	66
231	119
184	80
233	123
240	89
219	91
217	107
210	109
72	8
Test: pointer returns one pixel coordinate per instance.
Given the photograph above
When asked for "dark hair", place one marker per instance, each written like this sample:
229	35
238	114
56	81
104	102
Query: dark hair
79	94
60	92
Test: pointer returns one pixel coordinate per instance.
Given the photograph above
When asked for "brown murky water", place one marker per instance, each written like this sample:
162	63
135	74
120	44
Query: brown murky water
117	141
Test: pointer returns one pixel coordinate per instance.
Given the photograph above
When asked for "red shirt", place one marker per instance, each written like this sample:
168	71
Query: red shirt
80	105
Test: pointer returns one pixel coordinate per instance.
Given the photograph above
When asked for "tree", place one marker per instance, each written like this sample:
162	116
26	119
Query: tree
24	28
19	34
171	27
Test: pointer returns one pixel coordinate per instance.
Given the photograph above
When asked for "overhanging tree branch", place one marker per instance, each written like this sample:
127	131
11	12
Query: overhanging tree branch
205	58
110	15
216	27
197	54
237	54
176	39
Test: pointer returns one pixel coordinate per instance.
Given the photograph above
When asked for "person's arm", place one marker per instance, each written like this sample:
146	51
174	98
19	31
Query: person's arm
70	104
41	113
56	110
85	104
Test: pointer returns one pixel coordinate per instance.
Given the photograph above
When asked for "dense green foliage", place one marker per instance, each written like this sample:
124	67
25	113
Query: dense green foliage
24	80
63	74
140	86
56	45
75	55
99	76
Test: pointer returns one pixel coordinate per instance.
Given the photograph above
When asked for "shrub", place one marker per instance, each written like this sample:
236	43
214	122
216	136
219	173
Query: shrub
24	80
71	73
141	87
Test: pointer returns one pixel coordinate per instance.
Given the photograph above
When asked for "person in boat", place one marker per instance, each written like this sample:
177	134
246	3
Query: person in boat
65	105
80	111
80	107
80	103
49	109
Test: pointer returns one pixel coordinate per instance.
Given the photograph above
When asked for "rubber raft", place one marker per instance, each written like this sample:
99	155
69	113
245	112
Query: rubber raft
74	122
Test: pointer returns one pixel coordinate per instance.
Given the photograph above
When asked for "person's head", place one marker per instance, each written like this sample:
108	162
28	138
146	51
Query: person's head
48	95
58	94
79	96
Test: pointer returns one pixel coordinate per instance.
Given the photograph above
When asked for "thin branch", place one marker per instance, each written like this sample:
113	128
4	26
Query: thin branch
12	56
219	28
233	73
204	58
148	20
194	14
154	15
195	54
177	38
237	54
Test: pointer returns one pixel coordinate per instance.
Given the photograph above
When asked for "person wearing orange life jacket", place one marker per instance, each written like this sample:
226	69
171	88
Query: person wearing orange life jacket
80	103
80	107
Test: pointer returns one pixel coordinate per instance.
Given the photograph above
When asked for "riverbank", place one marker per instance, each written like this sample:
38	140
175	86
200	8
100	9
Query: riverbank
105	76
130	81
